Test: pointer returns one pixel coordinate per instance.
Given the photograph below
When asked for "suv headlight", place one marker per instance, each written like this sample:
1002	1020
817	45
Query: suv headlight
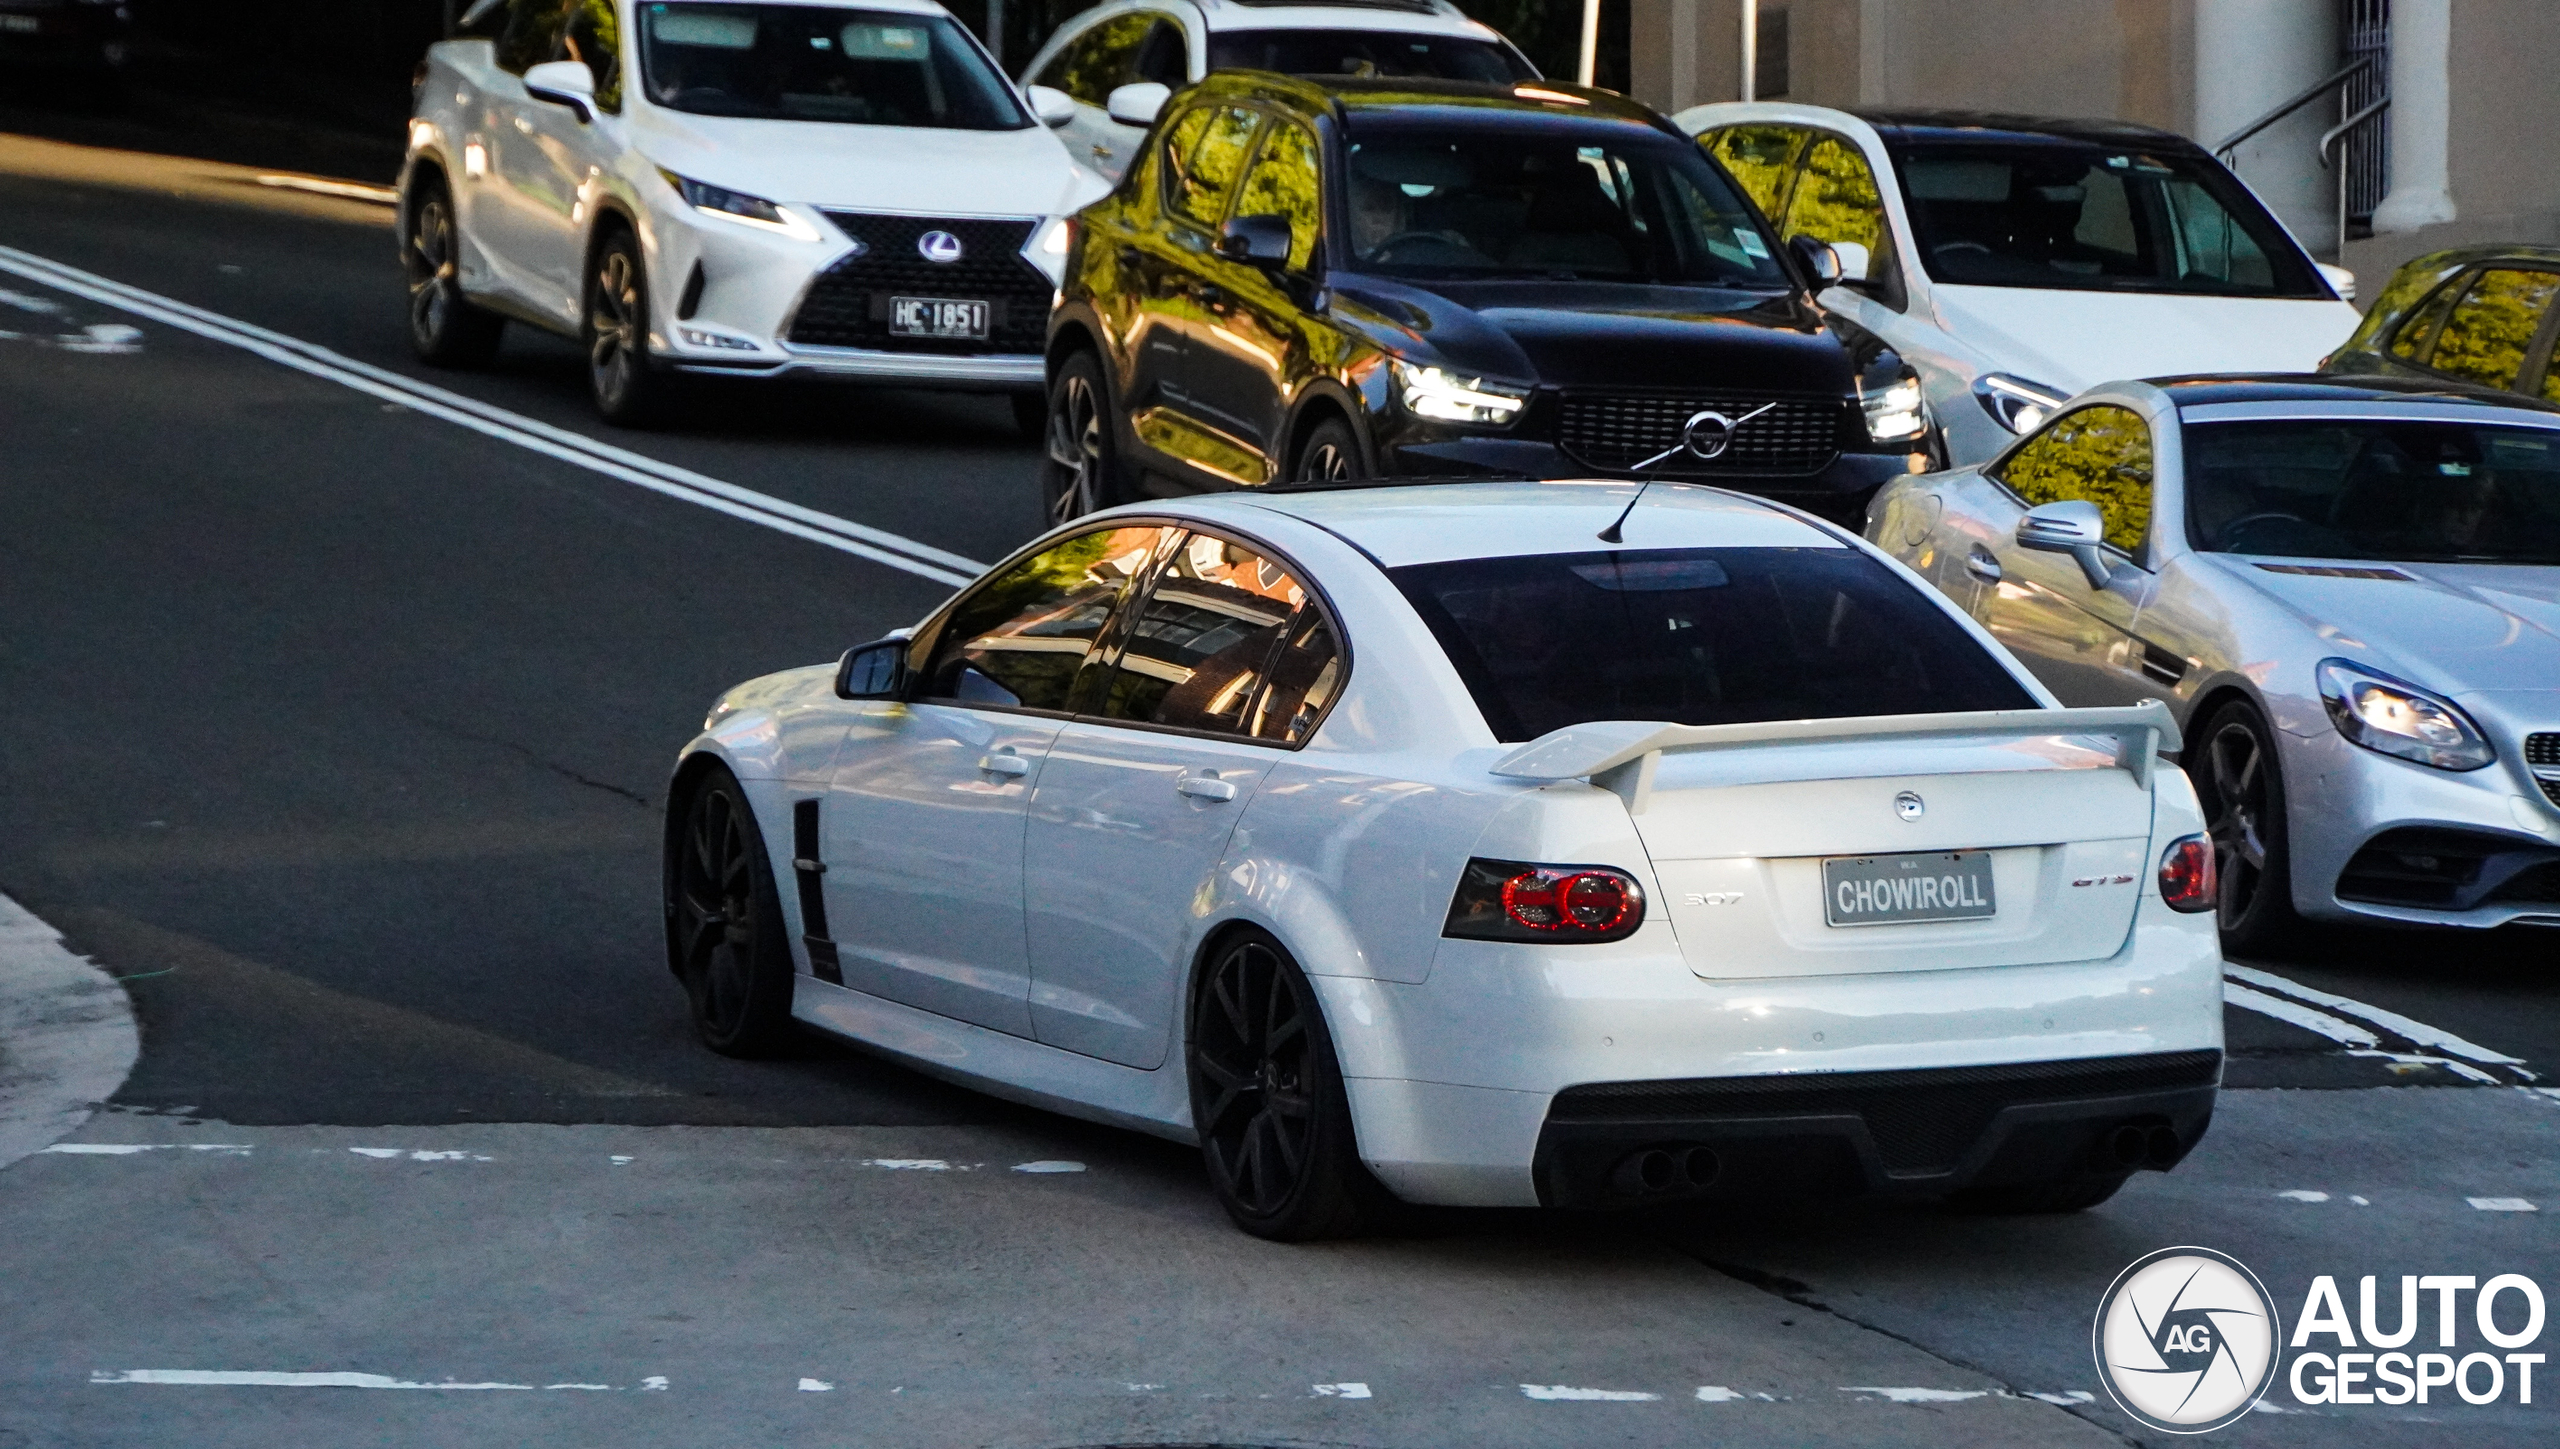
737	206
1896	412
1436	392
2015	403
1050	242
2389	717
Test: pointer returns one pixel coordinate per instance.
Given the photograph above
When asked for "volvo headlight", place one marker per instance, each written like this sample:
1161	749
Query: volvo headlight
2015	403
2392	718
1896	412
737	206
1436	392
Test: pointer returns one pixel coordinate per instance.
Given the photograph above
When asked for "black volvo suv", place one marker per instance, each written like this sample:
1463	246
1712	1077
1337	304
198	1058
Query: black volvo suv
1311	278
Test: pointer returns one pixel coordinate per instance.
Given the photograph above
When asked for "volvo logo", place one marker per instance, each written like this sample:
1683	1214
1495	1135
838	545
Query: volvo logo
1909	805
1707	434
939	246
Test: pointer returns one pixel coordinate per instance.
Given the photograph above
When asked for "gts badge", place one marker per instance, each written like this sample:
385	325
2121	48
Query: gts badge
1712	898
2104	880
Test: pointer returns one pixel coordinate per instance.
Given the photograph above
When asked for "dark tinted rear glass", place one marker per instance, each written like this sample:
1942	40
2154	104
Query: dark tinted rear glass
1698	636
1368	53
2370	488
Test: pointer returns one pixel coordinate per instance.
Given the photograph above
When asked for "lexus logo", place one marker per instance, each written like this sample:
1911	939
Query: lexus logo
939	246
1909	805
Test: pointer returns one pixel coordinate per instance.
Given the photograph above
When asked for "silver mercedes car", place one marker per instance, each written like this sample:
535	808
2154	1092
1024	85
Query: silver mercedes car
2348	590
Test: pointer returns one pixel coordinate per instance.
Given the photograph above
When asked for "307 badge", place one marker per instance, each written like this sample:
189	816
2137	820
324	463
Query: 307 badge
1711	898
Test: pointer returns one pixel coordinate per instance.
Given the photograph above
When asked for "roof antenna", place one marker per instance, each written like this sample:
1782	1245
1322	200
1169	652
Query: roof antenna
1615	533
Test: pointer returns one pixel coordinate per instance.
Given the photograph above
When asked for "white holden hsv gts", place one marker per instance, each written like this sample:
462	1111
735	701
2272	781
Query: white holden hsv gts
1577	844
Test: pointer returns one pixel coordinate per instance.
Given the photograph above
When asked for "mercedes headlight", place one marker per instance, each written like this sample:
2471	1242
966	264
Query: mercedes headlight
1896	412
1436	392
737	206
2015	403
2392	718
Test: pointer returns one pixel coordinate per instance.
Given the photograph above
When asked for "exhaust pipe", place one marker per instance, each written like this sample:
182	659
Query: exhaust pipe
2129	1145
1658	1170
2163	1149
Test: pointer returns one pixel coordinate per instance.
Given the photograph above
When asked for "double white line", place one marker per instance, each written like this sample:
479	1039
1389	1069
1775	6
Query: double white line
843	534
2364	1030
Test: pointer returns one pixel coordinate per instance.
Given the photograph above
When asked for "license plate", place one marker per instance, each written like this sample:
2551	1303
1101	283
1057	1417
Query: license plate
1892	890
935	317
21	24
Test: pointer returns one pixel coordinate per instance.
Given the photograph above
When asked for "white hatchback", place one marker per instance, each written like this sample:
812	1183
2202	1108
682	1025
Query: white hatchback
2015	262
766	189
1578	844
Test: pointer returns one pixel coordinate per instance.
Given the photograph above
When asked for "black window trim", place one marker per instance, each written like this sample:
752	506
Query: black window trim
2141	559
928	635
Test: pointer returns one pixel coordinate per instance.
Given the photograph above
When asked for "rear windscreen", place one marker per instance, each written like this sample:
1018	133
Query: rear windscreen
1698	636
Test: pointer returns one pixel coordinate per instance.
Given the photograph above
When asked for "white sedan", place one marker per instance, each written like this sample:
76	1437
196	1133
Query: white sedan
1580	844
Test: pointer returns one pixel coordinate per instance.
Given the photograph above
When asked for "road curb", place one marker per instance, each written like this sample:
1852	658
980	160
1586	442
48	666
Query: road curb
67	1035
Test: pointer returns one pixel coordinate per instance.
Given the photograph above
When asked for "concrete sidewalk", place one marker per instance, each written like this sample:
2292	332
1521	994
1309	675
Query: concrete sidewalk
67	1038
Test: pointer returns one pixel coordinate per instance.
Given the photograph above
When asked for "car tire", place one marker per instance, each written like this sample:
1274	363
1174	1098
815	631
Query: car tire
1331	454
1079	473
2234	766
726	939
2064	1195
1268	1101
628	391
1031	415
445	329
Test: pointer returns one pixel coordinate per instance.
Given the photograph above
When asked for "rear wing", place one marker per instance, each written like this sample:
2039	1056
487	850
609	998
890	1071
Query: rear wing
1627	752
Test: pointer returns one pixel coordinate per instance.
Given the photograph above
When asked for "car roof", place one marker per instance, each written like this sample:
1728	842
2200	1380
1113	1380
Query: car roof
1910	124
1404	523
1325	14
2298	387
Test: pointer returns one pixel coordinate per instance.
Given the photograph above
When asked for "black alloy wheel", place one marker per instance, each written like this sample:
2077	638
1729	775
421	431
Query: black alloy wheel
445	330
2233	764
1076	474
1331	454
725	932
1267	1100
619	377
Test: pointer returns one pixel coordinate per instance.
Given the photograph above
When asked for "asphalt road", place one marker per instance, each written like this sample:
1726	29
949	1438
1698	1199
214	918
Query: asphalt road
339	730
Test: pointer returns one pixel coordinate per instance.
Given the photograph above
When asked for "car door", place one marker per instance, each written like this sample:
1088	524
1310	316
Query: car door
533	181
2082	641
1230	659
1204	154
1252	348
922	826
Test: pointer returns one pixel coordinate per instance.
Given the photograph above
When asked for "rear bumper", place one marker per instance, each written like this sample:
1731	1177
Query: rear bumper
1903	1134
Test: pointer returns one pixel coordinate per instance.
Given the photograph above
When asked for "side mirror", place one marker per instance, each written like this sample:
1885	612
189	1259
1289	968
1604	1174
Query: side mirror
1819	259
1856	263
2341	281
1261	240
564	83
1137	104
877	670
1054	107
2073	526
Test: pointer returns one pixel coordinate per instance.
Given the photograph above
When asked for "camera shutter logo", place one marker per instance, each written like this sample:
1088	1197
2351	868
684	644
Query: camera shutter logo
939	246
2186	1340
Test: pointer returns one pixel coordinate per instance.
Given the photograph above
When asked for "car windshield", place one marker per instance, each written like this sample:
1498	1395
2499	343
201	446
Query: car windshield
2087	218
2418	492
1368	53
1698	636
822	63
1498	202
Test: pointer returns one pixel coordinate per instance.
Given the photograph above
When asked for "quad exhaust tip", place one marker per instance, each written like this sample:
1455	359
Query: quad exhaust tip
1657	1171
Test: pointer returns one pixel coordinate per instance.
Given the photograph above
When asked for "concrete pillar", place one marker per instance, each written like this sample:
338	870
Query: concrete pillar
2252	56
2421	114
1684	56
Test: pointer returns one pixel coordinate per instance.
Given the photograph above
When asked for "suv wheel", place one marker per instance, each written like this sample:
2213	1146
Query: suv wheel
445	330
2232	761
1077	476
1331	454
619	378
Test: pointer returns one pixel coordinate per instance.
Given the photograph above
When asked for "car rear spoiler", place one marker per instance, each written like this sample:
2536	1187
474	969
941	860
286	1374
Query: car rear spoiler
1622	755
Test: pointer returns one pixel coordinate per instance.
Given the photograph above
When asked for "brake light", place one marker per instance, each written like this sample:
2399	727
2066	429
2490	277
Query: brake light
1509	900
2187	874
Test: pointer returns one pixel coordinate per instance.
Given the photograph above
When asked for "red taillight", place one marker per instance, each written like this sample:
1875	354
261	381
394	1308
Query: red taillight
1505	900
2186	874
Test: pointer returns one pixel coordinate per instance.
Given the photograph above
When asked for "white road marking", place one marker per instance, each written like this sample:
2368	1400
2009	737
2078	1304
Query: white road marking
2359	1201
909	1164
2303	1194
27	302
1342	1391
654	1384
2068	1397
2391	1021
128	1149
2299	1015
1553	1393
2502	1205
619	1160
816	1386
1048	1167
1919	1396
1719	1394
258	1378
878	545
317	186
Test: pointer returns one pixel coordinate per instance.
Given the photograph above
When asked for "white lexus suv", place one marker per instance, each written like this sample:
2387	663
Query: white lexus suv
788	187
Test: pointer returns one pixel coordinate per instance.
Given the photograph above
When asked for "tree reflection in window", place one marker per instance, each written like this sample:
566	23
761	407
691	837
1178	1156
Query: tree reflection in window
1202	156
1761	159
1283	183
1836	201
1020	639
2486	338
2100	454
1220	622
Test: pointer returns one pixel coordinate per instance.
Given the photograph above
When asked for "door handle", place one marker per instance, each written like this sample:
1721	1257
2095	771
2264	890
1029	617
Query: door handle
1204	787
1982	566
1014	766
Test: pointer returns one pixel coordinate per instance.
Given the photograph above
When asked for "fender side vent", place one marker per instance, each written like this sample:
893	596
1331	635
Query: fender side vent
2161	666
811	872
691	301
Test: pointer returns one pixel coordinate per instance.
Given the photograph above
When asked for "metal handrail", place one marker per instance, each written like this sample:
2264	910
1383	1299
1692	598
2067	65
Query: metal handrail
2315	92
2332	136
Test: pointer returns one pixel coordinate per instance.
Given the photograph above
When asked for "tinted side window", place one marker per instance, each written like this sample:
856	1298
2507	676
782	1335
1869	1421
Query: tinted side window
1283	183
1020	638
531	33
1203	648
1836	200
1762	160
2101	454
2486	338
593	36
1698	636
1097	62
1202	155
1163	57
2411	339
